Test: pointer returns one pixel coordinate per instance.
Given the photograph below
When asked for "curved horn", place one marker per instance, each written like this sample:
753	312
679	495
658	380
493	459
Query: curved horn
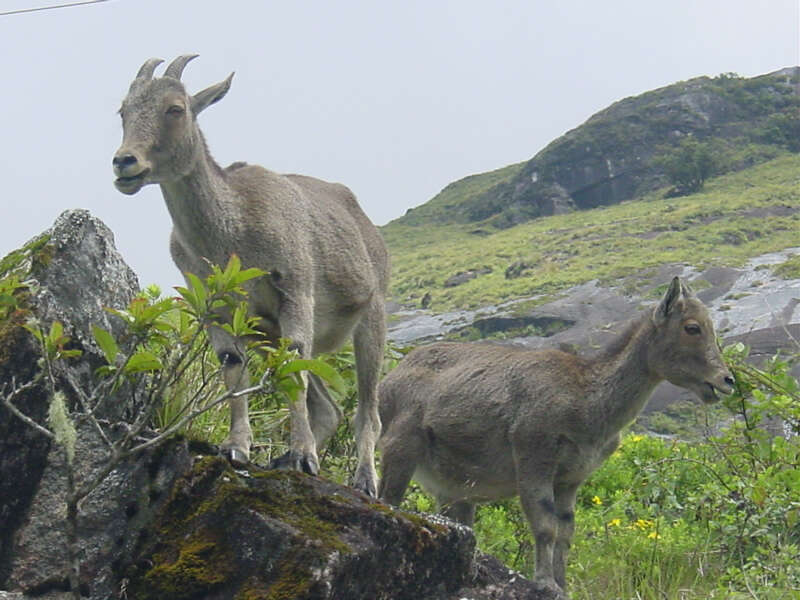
175	68
146	71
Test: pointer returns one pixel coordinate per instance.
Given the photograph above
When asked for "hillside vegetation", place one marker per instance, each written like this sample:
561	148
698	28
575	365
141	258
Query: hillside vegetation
737	215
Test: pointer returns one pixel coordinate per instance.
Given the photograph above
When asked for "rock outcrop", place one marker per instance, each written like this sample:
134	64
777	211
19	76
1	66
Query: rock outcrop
610	158
284	535
71	272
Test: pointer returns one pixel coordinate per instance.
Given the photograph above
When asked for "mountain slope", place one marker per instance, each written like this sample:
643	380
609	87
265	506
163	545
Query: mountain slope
618	153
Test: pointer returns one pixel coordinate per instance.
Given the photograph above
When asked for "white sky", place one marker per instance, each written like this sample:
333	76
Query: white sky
396	100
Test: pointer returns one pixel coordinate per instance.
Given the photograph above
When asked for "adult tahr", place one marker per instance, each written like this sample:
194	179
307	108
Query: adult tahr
328	266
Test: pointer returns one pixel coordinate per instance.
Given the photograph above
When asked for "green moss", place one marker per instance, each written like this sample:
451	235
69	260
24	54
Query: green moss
213	495
737	296
447	205
522	309
12	331
294	579
13	316
699	284
416	519
201	565
41	256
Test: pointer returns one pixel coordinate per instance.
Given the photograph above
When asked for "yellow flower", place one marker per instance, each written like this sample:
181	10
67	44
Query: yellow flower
596	500
642	524
615	522
654	536
637	438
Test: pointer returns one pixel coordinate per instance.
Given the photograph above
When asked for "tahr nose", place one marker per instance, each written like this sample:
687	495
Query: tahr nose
121	162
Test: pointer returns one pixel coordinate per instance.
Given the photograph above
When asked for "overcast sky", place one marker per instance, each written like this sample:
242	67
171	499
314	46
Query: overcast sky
394	99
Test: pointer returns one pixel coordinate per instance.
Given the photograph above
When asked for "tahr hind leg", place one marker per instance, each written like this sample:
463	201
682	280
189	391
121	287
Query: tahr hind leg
369	339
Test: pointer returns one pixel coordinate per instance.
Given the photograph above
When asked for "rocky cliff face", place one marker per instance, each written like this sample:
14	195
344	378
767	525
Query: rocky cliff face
177	521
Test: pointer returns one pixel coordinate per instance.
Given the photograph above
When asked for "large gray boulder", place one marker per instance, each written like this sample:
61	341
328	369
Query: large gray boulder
274	534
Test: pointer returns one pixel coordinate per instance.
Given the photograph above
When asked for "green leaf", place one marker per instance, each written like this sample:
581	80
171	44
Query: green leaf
319	368
143	361
105	371
198	287
249	274
56	332
106	342
35	330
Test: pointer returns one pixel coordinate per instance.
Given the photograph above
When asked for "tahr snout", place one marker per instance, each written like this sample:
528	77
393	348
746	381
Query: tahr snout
130	169
720	382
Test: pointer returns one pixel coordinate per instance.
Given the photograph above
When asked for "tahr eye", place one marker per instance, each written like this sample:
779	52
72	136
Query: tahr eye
175	110
692	329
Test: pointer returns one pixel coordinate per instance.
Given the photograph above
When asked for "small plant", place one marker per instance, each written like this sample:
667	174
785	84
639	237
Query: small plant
788	269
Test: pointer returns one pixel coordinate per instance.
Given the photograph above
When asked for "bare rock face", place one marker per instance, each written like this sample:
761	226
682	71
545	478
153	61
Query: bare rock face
110	520
81	273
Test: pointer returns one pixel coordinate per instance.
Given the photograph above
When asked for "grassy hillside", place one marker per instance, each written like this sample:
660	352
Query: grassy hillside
440	207
736	216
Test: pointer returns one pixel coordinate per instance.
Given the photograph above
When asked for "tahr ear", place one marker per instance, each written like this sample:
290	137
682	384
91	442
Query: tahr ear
671	300
205	98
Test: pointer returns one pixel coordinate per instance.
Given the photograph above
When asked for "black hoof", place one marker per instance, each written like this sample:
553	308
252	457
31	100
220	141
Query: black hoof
236	457
366	487
365	483
291	461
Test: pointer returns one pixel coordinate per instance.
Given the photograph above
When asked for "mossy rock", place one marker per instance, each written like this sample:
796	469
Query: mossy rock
277	535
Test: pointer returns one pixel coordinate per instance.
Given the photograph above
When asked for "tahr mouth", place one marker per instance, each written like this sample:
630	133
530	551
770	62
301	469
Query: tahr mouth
132	184
710	392
710	396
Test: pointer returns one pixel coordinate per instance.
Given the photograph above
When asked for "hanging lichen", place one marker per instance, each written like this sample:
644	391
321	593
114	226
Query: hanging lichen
62	426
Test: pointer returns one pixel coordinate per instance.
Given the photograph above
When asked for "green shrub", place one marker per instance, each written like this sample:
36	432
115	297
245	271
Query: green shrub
688	166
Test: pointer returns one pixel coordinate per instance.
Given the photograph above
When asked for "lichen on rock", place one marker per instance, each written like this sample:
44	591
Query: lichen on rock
283	535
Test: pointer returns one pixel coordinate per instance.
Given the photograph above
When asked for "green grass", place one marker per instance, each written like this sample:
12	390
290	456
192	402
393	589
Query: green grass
441	207
789	269
725	224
